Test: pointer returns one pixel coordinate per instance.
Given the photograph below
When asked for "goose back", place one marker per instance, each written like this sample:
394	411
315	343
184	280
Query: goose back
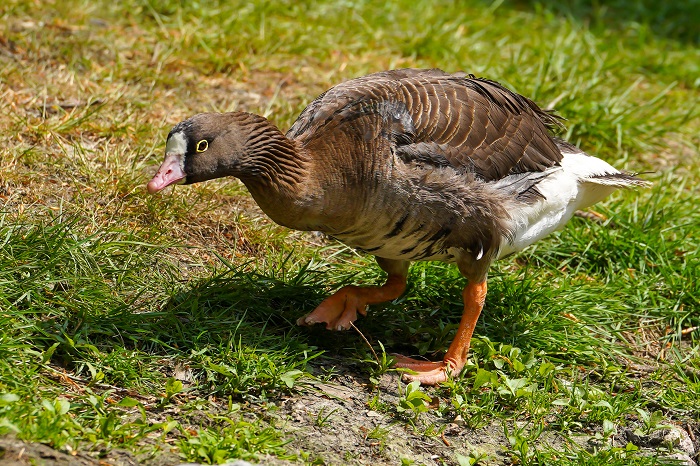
431	117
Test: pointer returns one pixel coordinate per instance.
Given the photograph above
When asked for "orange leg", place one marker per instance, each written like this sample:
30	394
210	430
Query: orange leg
432	373
340	309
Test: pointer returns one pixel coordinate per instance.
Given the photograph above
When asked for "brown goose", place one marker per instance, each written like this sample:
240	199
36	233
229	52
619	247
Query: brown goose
406	165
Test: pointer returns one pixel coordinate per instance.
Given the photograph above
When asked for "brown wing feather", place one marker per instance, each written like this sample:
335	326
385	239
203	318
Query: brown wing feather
458	120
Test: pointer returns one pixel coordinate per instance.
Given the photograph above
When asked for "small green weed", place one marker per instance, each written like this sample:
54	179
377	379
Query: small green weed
412	401
651	421
378	434
322	417
232	439
378	364
471	459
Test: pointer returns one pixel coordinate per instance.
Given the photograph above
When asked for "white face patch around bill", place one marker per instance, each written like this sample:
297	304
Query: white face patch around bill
172	170
177	145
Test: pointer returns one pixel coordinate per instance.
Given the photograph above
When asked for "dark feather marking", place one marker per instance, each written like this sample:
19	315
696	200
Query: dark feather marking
407	250
430	253
523	185
423	152
431	237
398	226
415	230
440	234
345	233
427	252
566	146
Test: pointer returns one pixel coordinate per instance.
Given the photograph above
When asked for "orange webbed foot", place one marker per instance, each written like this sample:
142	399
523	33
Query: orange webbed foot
339	310
426	372
432	373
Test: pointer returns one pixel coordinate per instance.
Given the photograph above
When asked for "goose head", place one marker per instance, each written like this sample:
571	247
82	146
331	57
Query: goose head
204	147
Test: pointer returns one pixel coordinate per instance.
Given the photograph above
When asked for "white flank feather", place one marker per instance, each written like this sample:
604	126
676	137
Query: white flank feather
578	183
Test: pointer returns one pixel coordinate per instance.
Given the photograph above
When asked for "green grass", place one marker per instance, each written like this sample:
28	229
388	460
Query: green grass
164	325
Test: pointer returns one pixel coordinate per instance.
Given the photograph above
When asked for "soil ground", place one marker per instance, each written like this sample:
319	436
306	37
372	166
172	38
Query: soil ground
332	423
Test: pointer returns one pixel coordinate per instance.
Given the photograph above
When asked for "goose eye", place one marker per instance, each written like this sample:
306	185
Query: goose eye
202	145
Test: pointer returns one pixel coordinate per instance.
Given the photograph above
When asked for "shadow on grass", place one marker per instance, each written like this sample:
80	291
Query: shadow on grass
240	314
672	20
108	308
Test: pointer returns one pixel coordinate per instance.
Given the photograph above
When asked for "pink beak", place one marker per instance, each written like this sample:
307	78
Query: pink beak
170	172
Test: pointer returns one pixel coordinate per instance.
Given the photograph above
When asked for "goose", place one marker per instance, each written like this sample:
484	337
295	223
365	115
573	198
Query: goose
405	165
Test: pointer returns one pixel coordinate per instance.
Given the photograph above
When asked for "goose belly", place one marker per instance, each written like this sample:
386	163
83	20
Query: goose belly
401	238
